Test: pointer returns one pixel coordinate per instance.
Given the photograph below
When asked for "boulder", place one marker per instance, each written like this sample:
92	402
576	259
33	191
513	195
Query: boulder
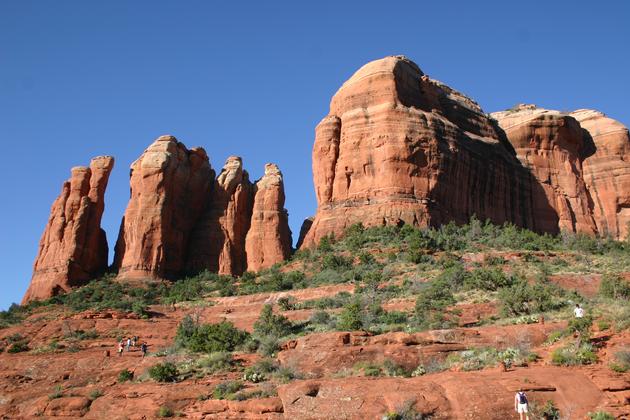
73	248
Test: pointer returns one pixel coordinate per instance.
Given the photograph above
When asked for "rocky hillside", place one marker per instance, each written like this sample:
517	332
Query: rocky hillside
387	321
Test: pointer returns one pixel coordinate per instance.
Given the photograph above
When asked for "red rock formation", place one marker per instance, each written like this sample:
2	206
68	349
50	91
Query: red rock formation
170	189
398	147
73	248
607	171
268	240
218	243
551	145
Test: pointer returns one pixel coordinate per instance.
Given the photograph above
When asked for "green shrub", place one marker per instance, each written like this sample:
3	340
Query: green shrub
270	324
216	362
164	411
581	325
336	262
549	411
523	298
615	287
226	390
125	375
82	335
209	338
18	347
287	303
601	415
57	393
487	279
350	317
572	356
95	394
622	361
163	372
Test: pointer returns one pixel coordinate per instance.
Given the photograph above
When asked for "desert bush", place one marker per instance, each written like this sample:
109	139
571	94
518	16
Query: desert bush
621	362
336	262
614	286
571	355
57	393
601	415
209	338
350	317
95	394
125	375
216	362
490	279
270	324
164	412
163	372
226	390
523	298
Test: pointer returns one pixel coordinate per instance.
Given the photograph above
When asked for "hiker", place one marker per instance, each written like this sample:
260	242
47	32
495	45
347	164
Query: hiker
121	347
128	343
520	404
143	348
134	339
578	311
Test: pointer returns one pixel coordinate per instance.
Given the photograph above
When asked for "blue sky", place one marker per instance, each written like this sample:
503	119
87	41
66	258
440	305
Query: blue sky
80	79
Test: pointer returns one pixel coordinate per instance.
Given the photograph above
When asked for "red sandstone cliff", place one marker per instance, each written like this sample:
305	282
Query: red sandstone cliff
73	248
398	147
607	171
552	146
269	238
170	189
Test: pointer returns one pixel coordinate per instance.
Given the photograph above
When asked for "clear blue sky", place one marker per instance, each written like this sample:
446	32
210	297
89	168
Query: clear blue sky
85	78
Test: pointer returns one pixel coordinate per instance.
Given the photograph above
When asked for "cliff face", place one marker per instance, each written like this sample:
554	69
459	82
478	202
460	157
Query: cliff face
607	171
170	188
73	248
398	147
552	146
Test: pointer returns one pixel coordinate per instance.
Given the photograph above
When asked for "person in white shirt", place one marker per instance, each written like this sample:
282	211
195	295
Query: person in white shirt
520	404
578	311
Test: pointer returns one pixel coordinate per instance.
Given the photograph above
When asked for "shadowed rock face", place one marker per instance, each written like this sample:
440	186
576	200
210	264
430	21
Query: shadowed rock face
552	146
607	171
269	238
398	147
73	248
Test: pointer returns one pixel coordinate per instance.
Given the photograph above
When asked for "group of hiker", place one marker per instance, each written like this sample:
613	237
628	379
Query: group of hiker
126	343
520	399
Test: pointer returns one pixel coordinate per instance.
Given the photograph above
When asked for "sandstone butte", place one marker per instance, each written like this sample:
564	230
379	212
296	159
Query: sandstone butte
73	248
398	147
180	219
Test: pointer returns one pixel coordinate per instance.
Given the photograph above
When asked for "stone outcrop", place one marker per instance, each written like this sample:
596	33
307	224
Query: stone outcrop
218	243
552	146
269	238
607	171
181	220
170	189
73	248
398	147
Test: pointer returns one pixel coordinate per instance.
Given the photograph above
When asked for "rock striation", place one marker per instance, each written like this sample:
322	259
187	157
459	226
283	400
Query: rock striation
73	248
269	238
398	147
